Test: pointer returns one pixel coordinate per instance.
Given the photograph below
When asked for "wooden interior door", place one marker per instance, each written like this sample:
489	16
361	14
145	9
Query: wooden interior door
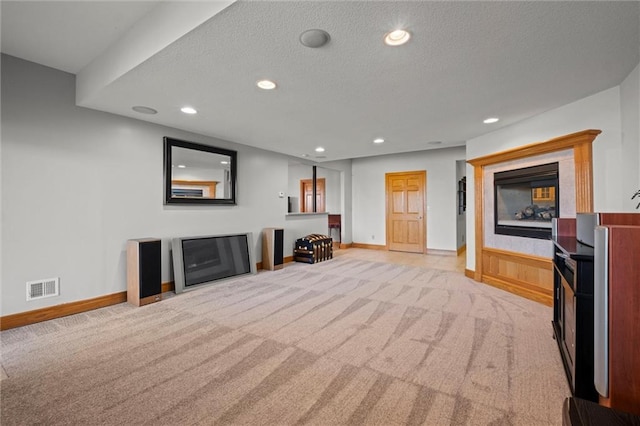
406	222
306	195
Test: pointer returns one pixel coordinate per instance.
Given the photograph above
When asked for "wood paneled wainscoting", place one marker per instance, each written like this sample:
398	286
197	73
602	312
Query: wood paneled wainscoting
526	275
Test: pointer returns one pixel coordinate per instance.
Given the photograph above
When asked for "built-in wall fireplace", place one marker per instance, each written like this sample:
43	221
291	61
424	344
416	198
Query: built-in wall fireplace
526	200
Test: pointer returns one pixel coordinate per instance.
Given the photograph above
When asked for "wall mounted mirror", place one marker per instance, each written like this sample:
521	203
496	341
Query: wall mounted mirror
198	174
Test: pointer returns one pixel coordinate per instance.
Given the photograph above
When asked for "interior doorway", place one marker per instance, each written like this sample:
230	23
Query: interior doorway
306	195
405	211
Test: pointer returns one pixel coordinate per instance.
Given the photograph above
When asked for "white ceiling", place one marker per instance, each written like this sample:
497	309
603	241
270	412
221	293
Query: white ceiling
466	61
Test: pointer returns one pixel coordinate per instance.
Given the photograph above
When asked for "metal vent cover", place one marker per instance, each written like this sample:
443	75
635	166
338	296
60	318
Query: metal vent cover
43	288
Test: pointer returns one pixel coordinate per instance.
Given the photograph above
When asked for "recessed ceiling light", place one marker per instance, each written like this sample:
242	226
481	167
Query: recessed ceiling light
144	110
224	162
378	140
188	110
266	84
182	166
434	142
397	38
491	120
319	149
305	155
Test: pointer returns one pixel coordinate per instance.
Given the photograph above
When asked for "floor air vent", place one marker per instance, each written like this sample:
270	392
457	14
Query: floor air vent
43	288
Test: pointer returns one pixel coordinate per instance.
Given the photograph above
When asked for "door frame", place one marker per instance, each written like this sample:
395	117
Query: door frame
388	228
320	182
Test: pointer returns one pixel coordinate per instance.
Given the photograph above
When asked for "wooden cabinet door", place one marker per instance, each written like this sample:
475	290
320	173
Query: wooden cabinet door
406	229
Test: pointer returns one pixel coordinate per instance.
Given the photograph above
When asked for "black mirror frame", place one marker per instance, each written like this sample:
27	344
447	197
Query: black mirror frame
171	142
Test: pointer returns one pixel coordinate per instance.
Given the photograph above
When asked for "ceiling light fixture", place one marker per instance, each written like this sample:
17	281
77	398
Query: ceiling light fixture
378	140
314	38
434	142
266	84
188	110
491	120
224	162
144	110
319	149
397	38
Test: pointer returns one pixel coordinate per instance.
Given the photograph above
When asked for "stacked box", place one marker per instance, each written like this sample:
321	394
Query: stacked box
313	248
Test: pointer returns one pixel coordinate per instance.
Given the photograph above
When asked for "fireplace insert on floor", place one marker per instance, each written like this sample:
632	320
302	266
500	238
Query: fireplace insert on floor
526	200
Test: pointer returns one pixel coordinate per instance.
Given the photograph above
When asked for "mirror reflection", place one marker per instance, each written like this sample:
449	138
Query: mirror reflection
198	174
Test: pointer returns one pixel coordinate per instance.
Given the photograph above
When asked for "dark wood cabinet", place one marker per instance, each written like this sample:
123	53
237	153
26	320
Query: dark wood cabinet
573	313
617	356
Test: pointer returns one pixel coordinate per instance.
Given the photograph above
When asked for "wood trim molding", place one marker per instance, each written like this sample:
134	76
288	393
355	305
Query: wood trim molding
346	246
438	252
52	312
520	291
369	246
553	145
583	161
469	273
168	286
580	142
478	174
525	259
286	259
522	274
461	249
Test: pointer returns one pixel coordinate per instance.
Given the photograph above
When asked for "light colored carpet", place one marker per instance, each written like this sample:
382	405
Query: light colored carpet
346	341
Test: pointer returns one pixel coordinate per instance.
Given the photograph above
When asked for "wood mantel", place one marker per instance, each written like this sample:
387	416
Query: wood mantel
580	143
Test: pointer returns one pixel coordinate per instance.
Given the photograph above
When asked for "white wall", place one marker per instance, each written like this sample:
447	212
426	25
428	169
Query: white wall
331	189
599	111
630	118
78	183
369	194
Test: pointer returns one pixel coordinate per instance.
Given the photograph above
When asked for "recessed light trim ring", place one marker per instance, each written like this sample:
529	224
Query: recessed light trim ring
266	84
144	110
397	37
314	38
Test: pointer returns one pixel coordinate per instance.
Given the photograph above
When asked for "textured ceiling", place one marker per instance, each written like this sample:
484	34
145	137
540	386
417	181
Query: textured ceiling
66	35
466	61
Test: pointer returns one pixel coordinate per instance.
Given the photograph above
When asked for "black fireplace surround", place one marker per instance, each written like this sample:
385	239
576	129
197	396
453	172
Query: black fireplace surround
525	201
